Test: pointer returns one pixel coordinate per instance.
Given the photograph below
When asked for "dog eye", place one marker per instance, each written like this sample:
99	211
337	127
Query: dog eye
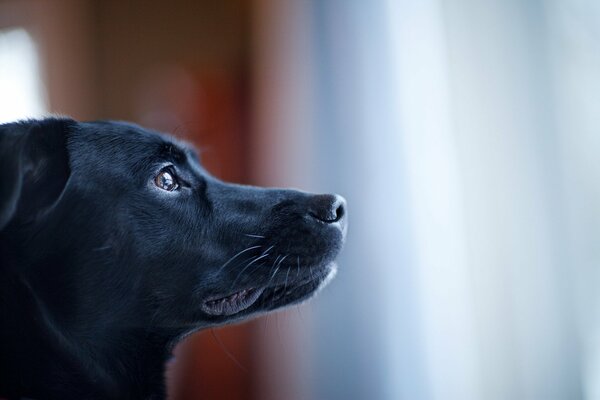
166	181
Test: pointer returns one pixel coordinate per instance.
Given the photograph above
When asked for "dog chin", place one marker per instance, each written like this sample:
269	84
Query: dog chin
329	272
333	268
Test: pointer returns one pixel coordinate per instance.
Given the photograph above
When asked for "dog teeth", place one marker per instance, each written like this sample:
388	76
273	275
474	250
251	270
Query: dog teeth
233	303
239	296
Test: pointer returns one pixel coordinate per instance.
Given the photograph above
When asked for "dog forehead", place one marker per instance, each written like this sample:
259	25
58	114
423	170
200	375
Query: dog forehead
112	134
126	142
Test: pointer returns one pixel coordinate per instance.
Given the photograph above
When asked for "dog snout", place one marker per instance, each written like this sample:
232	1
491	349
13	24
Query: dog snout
327	208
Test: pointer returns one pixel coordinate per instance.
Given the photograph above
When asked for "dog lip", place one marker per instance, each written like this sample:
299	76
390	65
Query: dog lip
233	303
276	293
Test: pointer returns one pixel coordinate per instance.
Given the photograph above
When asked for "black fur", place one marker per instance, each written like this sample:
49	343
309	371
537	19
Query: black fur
102	272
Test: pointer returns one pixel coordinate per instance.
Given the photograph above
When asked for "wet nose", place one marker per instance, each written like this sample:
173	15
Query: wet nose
327	208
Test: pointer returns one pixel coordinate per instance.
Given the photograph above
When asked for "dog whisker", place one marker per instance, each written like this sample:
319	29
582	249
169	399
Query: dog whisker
275	273
254	236
286	279
266	324
284	257
102	248
300	314
274	262
278	266
267	250
246	267
227	351
273	266
276	270
238	254
311	277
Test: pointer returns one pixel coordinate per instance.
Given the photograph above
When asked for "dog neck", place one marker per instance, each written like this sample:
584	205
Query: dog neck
110	361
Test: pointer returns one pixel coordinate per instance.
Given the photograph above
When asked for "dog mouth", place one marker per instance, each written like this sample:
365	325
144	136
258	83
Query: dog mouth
271	297
233	303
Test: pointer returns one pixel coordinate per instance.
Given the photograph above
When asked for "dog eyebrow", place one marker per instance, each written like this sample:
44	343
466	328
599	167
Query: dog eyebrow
192	154
173	152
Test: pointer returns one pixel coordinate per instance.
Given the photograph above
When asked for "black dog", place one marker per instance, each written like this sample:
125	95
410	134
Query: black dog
115	244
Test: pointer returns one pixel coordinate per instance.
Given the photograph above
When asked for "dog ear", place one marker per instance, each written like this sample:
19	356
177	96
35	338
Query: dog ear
34	167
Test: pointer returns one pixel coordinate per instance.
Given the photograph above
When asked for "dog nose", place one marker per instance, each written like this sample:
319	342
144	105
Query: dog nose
328	208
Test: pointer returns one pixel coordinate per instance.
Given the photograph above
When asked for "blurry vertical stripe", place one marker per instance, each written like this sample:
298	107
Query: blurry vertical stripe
283	104
419	82
504	119
282	155
21	89
574	47
370	315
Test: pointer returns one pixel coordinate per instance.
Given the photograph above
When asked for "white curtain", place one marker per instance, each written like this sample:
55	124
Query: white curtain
466	137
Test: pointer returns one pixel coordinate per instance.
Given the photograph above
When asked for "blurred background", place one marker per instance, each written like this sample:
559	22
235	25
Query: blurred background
464	134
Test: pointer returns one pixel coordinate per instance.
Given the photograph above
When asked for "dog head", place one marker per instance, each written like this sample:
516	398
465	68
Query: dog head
111	222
